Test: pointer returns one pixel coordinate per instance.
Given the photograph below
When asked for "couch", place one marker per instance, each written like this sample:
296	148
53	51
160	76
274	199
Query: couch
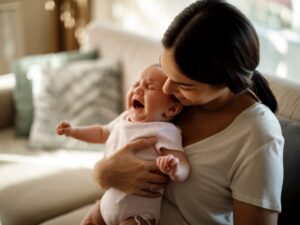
55	187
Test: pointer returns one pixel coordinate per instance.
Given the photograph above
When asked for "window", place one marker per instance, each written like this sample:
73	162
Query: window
275	14
277	23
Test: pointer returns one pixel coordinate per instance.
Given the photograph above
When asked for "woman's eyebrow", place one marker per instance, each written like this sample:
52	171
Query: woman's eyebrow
180	83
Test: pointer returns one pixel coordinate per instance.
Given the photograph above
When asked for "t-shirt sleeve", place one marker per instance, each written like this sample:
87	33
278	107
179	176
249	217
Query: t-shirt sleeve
112	123
169	137
258	180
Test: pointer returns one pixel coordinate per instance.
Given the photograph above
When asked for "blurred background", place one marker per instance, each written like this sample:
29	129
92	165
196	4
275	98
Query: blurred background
29	27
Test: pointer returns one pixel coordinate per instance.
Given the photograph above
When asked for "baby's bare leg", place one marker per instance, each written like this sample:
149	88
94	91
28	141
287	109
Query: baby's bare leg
94	216
137	221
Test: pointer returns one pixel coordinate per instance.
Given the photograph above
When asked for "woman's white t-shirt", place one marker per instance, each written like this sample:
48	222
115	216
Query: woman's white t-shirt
244	161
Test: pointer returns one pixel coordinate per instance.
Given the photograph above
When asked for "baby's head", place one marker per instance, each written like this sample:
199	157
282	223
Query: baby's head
146	100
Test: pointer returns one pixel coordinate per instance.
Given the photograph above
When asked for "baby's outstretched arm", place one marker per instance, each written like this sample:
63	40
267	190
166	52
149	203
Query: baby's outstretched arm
92	134
173	163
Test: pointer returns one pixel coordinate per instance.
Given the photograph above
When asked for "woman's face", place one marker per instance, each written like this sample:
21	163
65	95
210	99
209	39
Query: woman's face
187	91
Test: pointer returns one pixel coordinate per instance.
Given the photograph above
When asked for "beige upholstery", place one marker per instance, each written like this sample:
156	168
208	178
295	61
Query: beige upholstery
40	198
288	96
71	217
134	51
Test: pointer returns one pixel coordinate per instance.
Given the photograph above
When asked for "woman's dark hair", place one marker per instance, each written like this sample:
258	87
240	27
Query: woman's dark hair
214	43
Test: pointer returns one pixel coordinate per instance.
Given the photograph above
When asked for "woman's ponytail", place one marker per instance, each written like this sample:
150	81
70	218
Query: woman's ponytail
261	88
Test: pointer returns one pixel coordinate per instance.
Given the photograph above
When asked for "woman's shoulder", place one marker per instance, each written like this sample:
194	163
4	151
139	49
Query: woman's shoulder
259	119
258	113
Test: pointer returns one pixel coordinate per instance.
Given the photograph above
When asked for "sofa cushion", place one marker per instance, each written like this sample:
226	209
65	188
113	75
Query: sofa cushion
32	201
82	92
291	184
70	218
22	93
287	95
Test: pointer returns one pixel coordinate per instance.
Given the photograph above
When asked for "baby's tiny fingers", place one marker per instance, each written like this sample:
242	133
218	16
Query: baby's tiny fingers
64	124
174	161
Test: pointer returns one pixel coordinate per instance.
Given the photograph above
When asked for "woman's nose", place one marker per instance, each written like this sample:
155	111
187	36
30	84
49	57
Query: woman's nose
167	88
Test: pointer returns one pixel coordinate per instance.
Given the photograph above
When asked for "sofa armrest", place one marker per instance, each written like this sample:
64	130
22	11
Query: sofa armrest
287	94
7	84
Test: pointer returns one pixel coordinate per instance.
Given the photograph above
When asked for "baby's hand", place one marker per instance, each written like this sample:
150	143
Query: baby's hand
168	164
64	128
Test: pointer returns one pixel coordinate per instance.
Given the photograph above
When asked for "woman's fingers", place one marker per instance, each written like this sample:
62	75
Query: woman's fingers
134	175
147	194
154	174
151	187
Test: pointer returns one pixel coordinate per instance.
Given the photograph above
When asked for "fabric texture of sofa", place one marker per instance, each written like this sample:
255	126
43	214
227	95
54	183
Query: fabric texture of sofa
55	187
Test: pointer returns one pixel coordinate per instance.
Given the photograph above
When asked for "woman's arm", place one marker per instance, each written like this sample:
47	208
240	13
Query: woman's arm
246	214
125	171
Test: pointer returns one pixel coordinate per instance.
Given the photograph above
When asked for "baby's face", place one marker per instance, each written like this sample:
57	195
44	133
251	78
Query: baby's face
146	101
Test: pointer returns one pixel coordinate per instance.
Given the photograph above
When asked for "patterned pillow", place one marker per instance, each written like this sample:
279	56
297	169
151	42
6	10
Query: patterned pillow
23	93
83	92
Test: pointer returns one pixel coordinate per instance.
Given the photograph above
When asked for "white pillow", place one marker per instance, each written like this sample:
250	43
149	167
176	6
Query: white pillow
82	92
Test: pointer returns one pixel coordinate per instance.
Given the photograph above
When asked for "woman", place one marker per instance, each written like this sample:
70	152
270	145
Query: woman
231	136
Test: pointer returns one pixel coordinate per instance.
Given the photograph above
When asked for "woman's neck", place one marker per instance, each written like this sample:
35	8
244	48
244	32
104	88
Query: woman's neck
226	99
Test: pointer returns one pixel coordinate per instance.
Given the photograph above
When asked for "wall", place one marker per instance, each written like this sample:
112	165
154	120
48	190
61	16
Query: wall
39	27
280	53
26	29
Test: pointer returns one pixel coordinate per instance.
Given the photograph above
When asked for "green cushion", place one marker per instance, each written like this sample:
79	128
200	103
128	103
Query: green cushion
23	92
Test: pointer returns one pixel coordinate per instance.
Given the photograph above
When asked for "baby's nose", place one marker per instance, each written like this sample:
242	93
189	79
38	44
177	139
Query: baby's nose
138	90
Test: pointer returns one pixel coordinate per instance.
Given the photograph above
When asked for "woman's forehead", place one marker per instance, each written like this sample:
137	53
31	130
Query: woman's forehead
171	69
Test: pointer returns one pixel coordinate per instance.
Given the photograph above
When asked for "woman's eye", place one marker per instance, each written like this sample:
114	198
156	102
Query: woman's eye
185	87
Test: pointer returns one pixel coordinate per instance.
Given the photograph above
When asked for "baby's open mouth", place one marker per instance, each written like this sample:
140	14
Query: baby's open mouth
137	104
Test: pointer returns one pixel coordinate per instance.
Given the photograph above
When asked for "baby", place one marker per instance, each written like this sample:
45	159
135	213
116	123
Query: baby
149	112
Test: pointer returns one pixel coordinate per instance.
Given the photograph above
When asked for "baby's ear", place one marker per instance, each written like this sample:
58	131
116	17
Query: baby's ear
174	110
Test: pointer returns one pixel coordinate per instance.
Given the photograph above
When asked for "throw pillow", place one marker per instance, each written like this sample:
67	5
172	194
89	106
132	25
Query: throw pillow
23	93
82	92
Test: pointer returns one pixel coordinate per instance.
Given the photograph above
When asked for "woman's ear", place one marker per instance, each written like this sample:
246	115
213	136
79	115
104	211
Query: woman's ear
173	110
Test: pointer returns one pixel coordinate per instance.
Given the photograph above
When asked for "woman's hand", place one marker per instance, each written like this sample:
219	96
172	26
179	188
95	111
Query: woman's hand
126	172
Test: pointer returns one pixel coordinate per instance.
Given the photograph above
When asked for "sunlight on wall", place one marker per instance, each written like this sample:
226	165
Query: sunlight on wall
279	42
280	48
282	69
145	16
